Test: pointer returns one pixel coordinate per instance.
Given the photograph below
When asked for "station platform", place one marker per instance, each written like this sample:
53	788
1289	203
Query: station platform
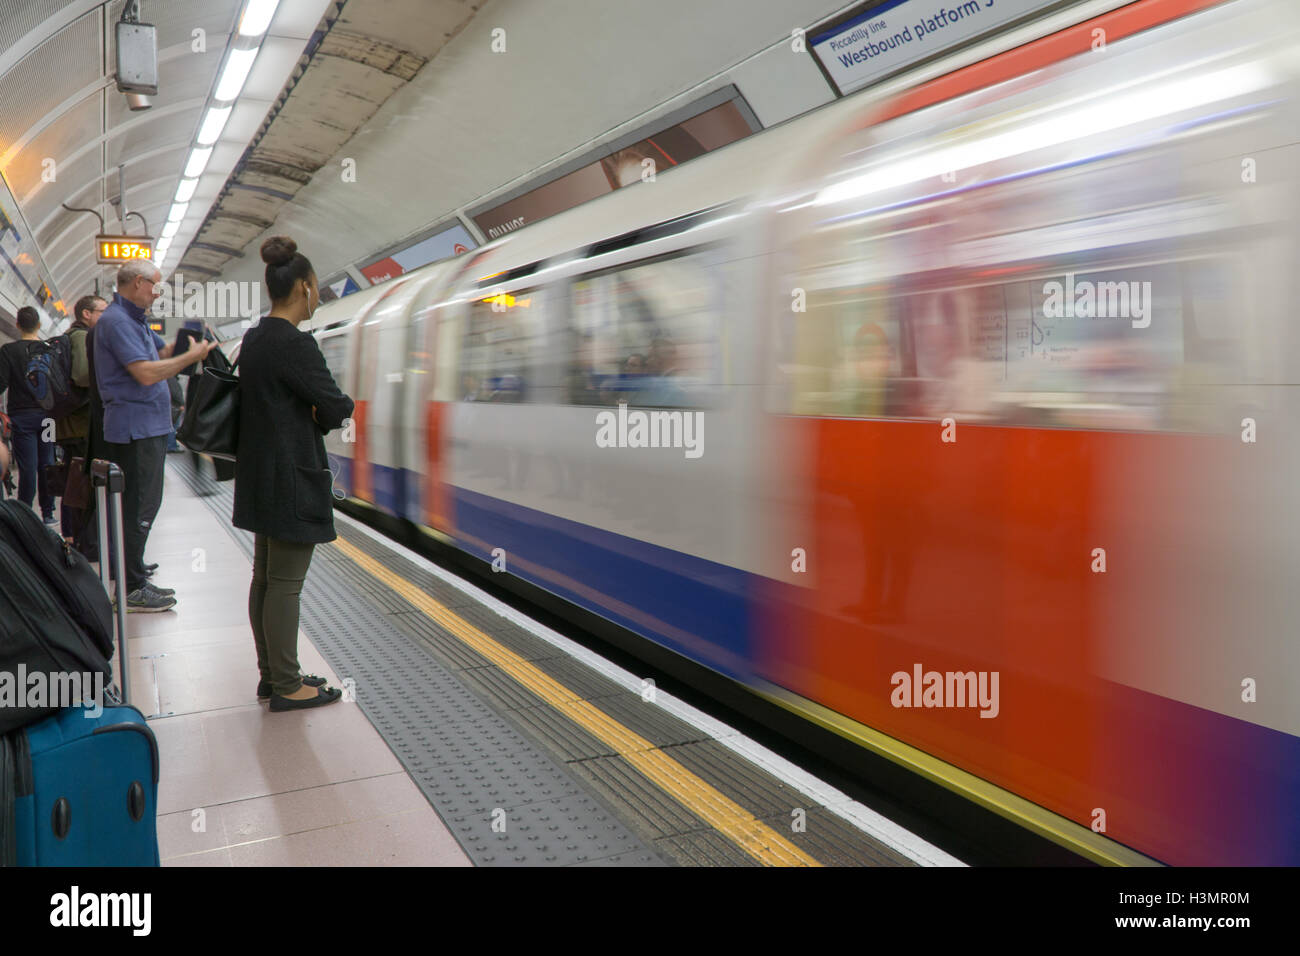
473	735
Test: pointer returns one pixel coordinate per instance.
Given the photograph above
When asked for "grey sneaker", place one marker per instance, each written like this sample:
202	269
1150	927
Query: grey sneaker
145	600
165	592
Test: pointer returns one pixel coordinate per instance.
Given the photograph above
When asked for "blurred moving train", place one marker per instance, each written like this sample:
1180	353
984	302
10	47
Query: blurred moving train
953	418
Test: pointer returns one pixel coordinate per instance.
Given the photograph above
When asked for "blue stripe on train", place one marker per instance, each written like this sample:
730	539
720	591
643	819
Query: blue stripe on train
693	606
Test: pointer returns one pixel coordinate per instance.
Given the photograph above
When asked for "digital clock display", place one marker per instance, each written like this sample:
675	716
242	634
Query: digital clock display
119	249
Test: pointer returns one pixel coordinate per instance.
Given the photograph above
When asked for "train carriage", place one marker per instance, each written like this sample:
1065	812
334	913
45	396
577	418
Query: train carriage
977	366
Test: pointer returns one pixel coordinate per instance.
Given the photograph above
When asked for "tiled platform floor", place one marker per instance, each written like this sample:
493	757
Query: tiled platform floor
239	785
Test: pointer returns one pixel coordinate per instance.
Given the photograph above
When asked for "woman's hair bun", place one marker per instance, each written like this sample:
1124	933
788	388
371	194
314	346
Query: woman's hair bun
278	250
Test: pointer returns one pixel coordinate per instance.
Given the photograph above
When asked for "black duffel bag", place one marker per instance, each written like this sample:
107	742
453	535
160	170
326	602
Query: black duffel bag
55	620
211	421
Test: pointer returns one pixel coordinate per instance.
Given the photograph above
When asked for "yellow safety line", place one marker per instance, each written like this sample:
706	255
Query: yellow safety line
729	818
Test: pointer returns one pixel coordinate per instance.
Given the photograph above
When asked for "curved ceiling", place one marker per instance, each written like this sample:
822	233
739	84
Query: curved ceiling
65	130
368	52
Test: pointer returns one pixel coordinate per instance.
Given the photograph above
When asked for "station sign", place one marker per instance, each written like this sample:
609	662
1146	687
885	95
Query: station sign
634	163
897	33
449	242
116	250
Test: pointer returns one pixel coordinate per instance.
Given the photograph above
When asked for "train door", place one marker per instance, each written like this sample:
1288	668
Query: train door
433	343
365	370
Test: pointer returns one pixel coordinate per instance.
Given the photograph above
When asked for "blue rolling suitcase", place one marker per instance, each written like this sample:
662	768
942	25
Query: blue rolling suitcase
75	789
85	790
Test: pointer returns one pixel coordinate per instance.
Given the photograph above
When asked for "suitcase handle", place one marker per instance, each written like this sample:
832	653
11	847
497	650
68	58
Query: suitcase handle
107	475
109	482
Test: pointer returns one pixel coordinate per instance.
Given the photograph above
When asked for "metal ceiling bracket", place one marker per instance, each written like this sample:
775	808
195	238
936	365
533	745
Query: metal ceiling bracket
102	230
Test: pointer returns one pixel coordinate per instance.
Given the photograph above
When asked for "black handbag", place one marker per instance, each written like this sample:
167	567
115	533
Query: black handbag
211	421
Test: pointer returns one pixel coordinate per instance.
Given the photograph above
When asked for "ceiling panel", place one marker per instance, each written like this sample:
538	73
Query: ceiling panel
73	250
417	26
175	131
64	88
17	17
186	78
176	21
75	186
371	50
58	141
53	72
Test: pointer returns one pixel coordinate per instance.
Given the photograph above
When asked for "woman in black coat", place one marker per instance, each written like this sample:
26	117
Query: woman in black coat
288	401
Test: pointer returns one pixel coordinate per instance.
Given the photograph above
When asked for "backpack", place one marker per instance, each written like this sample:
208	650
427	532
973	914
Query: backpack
54	615
49	377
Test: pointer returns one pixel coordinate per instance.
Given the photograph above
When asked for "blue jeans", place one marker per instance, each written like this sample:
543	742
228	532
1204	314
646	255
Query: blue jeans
33	455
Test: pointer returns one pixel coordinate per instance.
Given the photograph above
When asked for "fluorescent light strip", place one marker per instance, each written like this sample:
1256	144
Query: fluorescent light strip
170	229
1163	100
198	161
213	123
235	73
185	191
257	17
177	211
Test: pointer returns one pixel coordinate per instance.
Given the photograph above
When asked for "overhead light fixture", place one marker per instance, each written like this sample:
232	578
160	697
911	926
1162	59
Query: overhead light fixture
235	73
257	17
136	102
171	229
178	211
186	190
213	124
197	163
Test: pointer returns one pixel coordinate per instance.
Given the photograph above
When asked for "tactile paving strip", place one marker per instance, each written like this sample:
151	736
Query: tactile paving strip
506	802
446	711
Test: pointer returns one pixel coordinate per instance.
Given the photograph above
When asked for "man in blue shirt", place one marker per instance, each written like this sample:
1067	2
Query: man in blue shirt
132	376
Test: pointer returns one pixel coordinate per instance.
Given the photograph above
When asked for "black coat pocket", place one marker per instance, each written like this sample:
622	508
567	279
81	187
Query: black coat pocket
311	493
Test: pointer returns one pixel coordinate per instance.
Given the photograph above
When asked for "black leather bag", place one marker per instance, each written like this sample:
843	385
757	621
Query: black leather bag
211	421
57	618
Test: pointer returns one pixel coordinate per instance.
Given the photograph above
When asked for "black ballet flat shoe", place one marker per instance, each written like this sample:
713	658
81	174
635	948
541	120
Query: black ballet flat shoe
324	695
264	687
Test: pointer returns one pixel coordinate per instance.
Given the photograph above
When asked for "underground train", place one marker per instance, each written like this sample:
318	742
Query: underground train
951	416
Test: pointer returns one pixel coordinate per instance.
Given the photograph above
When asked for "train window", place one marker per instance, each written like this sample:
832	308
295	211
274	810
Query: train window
647	334
1003	307
335	350
499	348
1102	349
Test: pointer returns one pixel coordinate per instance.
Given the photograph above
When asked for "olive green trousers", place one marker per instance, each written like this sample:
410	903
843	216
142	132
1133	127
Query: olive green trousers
279	569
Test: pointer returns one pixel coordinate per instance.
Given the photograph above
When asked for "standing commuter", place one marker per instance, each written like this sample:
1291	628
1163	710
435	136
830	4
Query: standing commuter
288	401
32	452
73	430
132	381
